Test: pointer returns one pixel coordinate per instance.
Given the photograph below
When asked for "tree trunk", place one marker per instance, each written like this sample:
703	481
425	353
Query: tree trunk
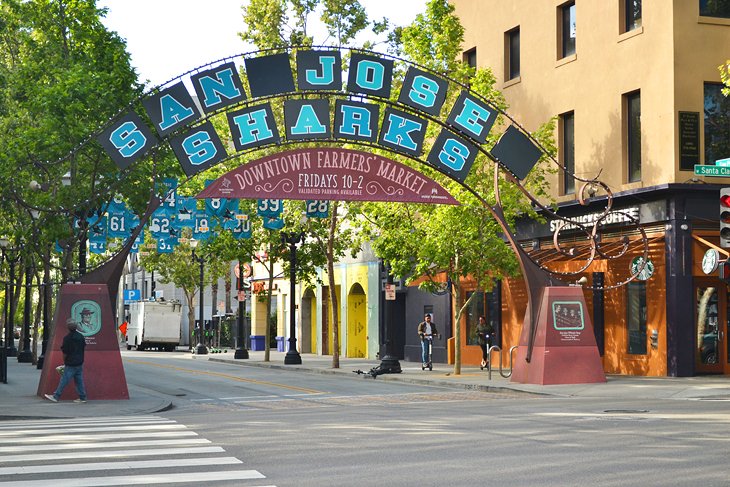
333	292
189	297
458	311
267	335
229	308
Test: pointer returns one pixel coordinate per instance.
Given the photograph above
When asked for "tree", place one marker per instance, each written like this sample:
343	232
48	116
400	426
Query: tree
276	24
62	74
452	244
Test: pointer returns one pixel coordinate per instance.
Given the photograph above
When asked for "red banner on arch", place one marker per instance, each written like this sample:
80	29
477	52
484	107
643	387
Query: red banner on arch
328	173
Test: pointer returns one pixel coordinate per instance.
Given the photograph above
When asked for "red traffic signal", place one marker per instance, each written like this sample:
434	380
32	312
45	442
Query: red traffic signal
725	218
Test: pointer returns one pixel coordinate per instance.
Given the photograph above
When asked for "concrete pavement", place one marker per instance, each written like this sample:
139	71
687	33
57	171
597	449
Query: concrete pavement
18	398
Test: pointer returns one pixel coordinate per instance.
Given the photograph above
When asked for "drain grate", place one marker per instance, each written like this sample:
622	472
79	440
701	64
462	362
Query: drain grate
626	411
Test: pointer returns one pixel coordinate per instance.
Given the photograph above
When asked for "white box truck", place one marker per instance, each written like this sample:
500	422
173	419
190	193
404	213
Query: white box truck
154	324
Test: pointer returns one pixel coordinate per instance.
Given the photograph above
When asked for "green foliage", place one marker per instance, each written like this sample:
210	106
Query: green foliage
725	77
422	243
434	38
62	75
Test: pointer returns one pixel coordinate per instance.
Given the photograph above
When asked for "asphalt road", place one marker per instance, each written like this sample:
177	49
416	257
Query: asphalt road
320	430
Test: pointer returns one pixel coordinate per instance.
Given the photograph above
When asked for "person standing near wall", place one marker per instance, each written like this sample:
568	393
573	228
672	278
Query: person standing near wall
485	332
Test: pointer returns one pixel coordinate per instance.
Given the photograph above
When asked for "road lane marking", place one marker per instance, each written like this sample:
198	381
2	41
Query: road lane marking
141	479
111	454
65	423
87	467
226	376
109	444
94	429
141	434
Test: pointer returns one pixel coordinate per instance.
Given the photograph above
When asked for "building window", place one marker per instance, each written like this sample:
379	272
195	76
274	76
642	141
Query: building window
632	14
567	29
636	318
633	136
513	53
567	150
470	57
715	8
717	123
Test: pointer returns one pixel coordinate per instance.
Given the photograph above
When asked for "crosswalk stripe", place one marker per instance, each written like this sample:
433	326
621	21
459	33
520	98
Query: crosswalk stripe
111	454
98	445
79	421
141	479
94	429
85	467
141	434
35	426
103	446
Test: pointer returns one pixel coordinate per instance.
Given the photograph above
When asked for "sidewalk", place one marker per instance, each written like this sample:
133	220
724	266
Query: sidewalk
18	398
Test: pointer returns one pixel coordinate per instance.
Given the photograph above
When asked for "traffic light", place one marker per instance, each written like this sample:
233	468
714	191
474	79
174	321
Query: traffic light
725	218
725	271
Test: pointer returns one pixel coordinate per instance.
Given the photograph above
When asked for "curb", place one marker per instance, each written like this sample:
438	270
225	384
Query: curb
389	377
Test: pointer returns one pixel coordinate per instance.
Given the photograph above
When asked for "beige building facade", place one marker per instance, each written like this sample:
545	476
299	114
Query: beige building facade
635	89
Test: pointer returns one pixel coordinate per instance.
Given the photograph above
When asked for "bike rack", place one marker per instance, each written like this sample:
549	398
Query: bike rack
489	354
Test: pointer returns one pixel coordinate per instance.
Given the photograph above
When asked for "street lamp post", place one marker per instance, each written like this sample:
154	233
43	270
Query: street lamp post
47	291
26	355
241	350
200	348
292	356
11	256
389	364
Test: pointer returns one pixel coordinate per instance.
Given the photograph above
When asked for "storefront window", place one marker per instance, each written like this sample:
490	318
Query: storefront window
484	304
636	318
707	324
473	312
717	123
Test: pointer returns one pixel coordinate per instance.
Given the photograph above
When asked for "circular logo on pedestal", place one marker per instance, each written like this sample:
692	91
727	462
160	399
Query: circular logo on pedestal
87	315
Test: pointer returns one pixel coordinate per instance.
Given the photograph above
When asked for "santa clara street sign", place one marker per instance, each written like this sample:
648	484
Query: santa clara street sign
708	170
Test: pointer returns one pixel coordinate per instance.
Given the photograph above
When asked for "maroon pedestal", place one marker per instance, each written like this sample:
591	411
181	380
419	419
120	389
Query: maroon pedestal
564	350
90	306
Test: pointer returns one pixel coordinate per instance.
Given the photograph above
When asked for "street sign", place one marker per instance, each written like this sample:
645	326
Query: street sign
131	295
241	295
390	292
246	270
717	171
723	162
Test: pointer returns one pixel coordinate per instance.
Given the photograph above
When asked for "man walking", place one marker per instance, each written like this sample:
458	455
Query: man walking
73	360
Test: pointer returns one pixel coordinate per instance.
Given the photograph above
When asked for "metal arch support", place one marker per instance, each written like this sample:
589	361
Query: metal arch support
110	272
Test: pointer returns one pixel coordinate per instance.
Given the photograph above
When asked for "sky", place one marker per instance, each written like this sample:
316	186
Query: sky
157	39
